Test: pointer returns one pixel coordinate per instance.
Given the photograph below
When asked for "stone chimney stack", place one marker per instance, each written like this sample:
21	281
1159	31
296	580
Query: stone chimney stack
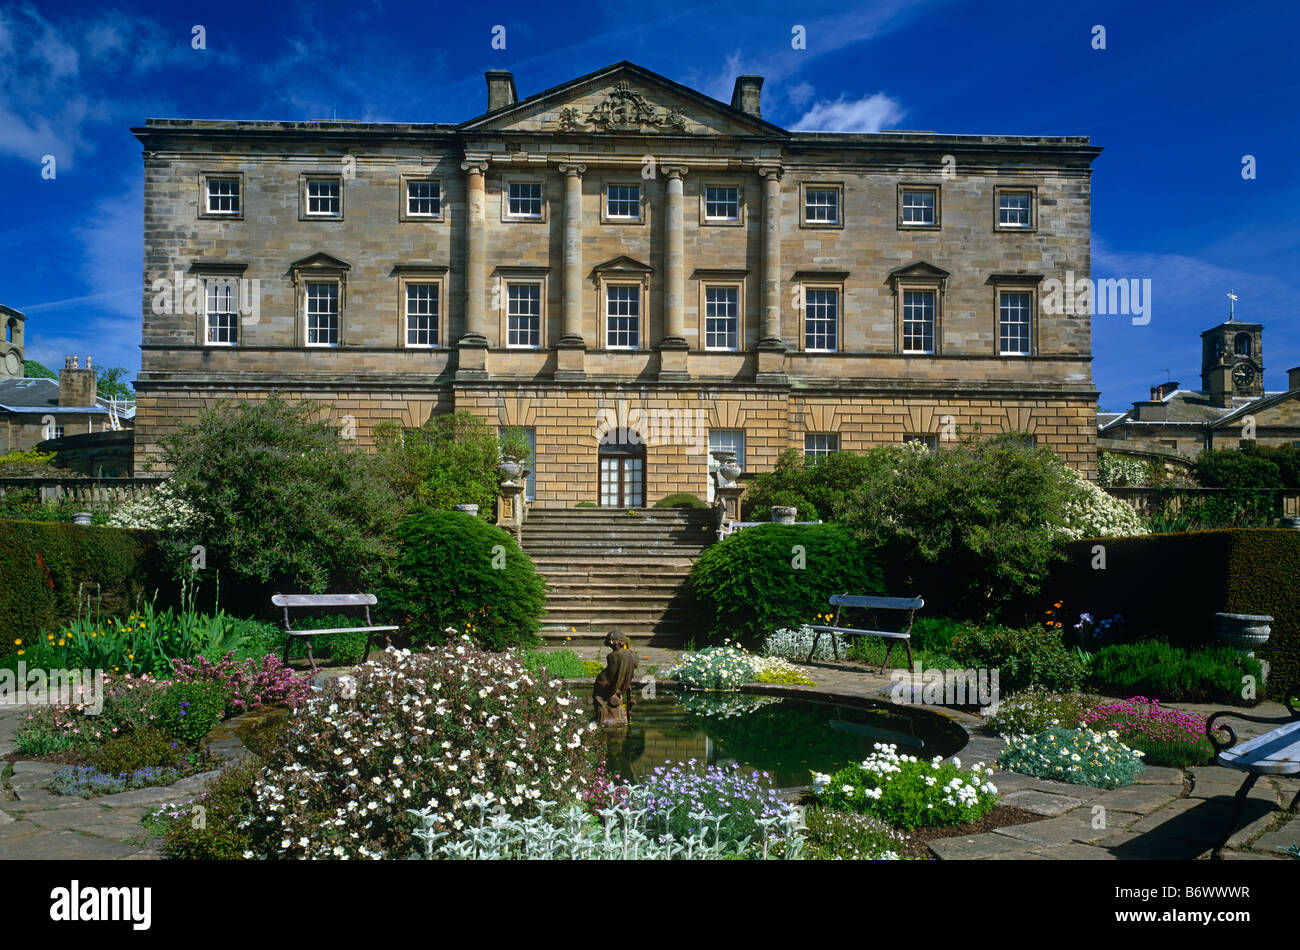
1293	378
501	89
745	96
76	385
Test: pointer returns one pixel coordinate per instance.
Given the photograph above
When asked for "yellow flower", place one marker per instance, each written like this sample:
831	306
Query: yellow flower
18	642
21	652
60	643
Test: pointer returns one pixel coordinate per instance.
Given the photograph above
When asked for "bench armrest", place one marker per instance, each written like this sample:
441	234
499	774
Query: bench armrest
1220	745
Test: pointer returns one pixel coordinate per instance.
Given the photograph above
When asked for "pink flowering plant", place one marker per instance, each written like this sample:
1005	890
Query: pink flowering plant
250	683
1165	736
128	705
427	731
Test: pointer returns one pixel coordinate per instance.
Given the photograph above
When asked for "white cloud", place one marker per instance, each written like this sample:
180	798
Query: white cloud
868	114
800	93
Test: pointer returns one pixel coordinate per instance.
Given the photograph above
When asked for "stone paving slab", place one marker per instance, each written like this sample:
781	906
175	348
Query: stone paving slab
1041	803
1076	852
1159	775
983	845
47	845
1287	834
1075	826
1140	799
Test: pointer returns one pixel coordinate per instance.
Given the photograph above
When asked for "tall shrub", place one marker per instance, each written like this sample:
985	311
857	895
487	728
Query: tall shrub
454	570
450	460
771	576
280	494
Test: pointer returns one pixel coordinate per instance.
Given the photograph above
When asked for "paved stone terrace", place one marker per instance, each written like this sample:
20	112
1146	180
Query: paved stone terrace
1166	814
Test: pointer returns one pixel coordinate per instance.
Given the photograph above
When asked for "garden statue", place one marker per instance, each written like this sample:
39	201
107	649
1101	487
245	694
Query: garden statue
612	694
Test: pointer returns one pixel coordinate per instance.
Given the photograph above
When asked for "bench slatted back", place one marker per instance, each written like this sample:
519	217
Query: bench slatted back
323	600
878	603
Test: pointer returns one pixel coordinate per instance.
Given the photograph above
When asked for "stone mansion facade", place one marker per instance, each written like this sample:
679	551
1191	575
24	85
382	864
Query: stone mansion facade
632	271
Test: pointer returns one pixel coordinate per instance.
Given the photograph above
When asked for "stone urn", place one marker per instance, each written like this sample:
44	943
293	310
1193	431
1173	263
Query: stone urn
1243	632
783	514
81	517
468	509
510	469
730	471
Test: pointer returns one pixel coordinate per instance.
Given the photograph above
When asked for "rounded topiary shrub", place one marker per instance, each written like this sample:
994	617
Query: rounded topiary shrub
681	499
457	574
447	729
771	576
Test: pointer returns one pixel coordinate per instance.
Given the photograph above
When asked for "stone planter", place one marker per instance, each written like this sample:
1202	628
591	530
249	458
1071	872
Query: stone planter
783	514
510	469
730	471
1243	632
81	517
468	509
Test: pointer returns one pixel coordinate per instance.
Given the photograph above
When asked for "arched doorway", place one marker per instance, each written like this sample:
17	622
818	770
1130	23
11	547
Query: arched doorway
622	475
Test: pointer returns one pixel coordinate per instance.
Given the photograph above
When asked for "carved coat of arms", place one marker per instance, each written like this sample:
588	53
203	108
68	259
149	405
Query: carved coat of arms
624	110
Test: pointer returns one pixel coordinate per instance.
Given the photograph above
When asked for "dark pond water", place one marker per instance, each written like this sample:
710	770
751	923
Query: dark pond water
788	738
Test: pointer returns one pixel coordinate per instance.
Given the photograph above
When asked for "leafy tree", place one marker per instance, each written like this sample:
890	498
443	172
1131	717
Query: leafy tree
451	460
984	520
113	384
1246	467
280	496
35	370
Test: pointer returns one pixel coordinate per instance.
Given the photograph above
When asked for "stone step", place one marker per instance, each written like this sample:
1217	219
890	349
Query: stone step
640	633
577	603
627	565
536	536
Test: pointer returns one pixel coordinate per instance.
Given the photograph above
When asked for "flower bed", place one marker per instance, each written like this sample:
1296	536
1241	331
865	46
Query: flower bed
1164	736
730	667
435	729
909	792
1078	756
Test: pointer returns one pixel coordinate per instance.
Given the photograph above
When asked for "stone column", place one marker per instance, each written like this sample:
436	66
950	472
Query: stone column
473	346
571	348
771	356
572	172
673	346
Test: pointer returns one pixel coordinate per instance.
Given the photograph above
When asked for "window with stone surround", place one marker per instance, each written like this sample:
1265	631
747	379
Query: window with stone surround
929	439
722	317
423	309
822	205
623	201
1015	209
721	203
424	198
821	319
918	206
322	197
919	309
221	311
1015	316
622	316
524	199
221	194
321	310
524	314
820	444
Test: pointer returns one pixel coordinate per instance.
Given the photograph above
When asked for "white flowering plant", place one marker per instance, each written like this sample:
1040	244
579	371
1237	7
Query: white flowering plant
909	792
729	667
430	730
164	509
795	643
1035	709
1079	756
1092	513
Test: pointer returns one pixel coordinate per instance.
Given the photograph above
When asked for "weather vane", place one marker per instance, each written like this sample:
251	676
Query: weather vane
1232	305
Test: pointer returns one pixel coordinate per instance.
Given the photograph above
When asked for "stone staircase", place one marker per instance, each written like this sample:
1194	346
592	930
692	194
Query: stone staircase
605	568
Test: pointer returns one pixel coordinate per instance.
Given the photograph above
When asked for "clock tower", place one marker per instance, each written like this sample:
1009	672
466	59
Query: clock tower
12	350
1232	362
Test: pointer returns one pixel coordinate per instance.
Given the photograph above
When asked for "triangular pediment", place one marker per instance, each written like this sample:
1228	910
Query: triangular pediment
622	265
623	99
320	261
918	269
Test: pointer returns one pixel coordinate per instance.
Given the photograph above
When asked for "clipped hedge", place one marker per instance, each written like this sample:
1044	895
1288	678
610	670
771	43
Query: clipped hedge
757	580
1169	586
43	565
456	570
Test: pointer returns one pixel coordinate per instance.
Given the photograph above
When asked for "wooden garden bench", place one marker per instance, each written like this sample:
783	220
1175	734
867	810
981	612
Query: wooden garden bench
1276	752
840	601
288	601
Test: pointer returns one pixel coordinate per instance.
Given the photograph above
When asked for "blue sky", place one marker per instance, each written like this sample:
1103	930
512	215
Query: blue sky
1179	95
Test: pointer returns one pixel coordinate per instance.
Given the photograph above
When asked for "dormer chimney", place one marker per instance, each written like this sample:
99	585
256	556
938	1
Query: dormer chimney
745	96
76	385
501	89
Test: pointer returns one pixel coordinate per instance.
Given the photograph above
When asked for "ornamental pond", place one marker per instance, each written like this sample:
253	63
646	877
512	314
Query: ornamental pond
786	737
